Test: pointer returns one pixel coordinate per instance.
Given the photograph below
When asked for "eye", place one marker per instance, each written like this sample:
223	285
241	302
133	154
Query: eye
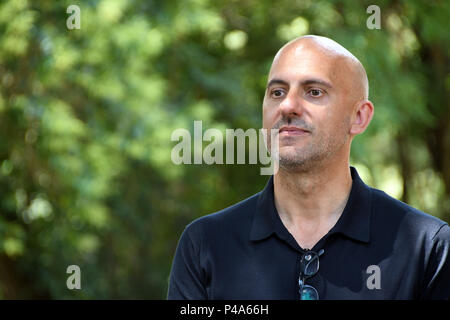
316	93
277	93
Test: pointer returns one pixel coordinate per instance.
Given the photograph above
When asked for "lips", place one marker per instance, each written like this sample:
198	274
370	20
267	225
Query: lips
292	131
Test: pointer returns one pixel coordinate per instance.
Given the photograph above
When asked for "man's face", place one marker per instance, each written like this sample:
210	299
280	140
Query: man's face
308	100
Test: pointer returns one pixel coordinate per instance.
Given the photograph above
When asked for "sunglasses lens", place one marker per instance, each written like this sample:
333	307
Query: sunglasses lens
309	293
310	264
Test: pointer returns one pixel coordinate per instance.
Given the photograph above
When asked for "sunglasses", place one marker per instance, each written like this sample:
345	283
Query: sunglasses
309	266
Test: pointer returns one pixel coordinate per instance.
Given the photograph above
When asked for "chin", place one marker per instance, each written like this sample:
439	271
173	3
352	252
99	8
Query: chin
294	165
292	151
292	159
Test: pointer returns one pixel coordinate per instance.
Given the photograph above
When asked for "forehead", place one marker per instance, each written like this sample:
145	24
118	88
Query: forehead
301	61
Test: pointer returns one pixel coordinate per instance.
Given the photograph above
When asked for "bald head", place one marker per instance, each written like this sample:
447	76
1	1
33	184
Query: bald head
345	64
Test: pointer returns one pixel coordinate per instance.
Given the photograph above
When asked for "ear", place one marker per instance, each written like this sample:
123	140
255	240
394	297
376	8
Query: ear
362	117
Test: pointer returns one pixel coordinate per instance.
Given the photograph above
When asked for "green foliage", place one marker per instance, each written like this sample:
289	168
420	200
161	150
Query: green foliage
86	118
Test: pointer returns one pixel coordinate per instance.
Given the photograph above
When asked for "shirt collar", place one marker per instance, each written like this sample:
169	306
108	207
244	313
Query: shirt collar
353	223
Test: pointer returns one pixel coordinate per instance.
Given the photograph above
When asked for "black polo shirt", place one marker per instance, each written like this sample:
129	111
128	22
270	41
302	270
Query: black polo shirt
380	248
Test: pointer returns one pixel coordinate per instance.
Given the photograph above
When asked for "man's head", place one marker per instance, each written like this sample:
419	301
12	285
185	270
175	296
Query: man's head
319	87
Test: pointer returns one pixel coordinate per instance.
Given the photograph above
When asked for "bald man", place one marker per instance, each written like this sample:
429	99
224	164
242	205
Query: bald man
316	231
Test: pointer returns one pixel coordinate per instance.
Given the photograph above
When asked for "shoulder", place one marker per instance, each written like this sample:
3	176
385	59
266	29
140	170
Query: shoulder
235	218
392	212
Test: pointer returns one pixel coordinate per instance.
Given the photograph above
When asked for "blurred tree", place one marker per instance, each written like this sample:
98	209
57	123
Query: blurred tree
86	118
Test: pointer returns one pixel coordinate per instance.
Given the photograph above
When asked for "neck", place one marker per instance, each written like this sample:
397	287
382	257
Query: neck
311	202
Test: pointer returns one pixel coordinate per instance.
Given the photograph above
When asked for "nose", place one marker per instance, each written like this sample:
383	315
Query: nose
291	105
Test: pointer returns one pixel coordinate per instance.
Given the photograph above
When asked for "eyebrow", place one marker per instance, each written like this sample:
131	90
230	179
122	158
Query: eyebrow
303	82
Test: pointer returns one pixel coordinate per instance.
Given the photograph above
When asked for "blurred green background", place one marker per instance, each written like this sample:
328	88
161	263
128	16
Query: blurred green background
86	117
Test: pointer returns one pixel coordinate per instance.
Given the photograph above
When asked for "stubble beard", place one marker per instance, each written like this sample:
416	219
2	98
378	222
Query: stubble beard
315	152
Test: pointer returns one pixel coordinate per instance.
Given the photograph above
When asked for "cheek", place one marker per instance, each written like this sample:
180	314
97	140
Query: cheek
269	117
325	125
336	127
342	120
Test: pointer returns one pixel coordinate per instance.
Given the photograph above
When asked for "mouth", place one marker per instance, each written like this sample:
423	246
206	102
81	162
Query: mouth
292	131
